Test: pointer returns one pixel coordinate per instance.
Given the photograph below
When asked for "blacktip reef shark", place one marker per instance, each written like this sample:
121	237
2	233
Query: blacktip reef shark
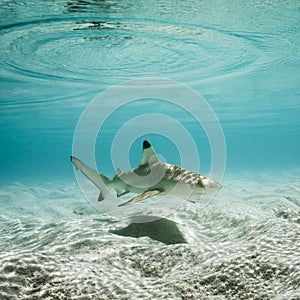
152	177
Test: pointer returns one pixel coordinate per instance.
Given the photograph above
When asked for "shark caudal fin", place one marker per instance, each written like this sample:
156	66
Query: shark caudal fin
149	155
100	180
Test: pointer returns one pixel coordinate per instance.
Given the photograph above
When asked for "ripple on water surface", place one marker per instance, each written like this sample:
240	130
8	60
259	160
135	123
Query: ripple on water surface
109	41
99	50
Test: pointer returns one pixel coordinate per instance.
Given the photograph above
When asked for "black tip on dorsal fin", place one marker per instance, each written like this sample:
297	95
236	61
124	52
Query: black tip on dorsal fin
148	154
146	145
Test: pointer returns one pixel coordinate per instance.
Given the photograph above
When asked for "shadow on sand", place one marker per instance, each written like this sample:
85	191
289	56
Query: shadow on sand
161	230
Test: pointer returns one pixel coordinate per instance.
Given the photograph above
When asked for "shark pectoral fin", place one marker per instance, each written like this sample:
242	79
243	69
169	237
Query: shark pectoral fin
142	196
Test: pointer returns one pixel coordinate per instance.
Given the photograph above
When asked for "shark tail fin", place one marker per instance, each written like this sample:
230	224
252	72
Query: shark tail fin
104	189
100	180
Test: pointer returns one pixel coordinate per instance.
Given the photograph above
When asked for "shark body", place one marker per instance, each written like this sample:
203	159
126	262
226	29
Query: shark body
152	177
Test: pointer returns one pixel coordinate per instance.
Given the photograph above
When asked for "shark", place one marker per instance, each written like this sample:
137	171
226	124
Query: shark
150	178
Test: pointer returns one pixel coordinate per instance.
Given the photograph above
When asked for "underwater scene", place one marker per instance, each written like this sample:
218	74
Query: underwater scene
150	149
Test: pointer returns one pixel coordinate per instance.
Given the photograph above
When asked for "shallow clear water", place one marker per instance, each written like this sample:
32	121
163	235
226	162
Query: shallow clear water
242	57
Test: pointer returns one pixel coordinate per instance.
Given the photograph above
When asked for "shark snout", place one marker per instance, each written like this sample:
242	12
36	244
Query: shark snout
210	184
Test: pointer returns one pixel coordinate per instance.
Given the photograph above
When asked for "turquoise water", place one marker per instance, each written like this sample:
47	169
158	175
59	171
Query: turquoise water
242	57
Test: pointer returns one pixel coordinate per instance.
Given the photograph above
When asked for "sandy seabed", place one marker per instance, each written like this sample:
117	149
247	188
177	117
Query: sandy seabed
242	245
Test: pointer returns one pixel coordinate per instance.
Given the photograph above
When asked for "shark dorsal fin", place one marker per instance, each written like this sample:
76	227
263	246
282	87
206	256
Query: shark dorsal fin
149	154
